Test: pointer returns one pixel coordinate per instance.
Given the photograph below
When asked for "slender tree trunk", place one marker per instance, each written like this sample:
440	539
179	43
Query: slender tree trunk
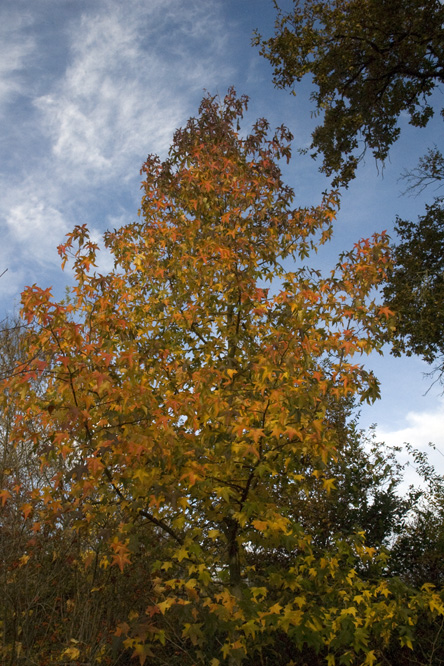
234	567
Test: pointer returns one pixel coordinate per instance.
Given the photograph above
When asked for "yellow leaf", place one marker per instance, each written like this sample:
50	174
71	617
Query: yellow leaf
435	604
249	628
163	606
276	609
181	554
166	566
405	640
370	658
349	611
329	484
72	653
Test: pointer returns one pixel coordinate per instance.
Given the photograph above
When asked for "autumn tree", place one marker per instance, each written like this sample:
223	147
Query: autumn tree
184	389
370	61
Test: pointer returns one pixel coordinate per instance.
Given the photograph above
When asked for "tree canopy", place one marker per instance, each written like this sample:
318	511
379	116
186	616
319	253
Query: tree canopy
182	406
415	290
370	60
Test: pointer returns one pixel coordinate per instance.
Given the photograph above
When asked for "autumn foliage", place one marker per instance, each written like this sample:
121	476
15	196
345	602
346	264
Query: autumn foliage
181	407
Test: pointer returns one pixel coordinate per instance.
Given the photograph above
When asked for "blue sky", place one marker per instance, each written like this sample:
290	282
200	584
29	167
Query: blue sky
89	87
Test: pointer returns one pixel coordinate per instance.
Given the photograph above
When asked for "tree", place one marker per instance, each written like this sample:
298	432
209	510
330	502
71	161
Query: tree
365	497
183	389
430	171
370	61
365	475
415	289
416	553
48	601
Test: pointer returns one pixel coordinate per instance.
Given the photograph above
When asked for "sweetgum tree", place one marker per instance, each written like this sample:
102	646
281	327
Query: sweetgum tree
184	392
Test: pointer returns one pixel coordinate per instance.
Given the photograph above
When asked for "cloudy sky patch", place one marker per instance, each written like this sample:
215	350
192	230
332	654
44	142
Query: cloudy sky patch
421	429
17	48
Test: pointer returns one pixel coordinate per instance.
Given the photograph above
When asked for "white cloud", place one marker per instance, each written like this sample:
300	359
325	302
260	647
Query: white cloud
16	48
420	429
131	74
36	227
111	83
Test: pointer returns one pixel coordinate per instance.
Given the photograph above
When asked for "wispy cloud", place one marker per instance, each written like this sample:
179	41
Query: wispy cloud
33	223
16	49
111	84
129	78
